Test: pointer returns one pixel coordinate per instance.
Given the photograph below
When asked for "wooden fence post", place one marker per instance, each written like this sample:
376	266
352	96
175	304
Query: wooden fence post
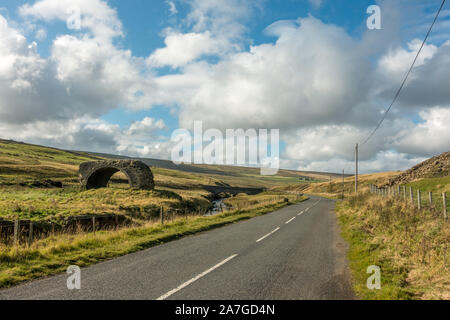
16	231
418	199
444	200
398	191
404	193
93	224
430	198
411	196
30	234
161	213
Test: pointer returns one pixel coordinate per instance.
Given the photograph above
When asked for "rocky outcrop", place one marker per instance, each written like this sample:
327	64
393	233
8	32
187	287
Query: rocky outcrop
96	174
438	166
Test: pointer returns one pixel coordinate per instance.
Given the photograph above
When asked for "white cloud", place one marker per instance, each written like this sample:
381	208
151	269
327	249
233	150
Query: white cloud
217	30
312	73
182	48
397	62
145	126
90	134
96	16
85	75
429	137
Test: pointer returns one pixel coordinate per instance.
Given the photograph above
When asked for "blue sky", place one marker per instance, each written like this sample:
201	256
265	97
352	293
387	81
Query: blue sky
168	63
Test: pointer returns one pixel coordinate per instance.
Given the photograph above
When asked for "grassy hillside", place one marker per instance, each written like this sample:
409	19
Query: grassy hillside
24	167
23	163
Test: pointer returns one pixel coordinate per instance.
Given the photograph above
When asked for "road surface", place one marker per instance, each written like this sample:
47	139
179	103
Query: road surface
293	253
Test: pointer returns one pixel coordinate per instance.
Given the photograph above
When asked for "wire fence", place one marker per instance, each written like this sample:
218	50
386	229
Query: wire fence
27	231
422	200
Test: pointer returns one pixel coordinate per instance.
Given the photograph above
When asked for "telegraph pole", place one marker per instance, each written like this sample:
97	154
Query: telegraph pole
342	184
356	169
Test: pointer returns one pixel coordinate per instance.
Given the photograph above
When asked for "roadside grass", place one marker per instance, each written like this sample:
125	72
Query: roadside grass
244	201
409	246
333	189
54	254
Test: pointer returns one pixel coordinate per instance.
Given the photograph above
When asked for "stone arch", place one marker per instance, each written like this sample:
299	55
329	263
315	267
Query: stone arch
96	174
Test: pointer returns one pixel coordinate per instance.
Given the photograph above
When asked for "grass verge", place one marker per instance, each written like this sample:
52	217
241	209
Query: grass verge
409	246
54	254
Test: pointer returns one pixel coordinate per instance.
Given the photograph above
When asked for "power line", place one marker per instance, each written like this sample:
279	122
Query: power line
407	75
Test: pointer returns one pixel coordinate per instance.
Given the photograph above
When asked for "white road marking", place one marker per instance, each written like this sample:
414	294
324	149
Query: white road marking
290	220
270	233
184	285
306	210
300	213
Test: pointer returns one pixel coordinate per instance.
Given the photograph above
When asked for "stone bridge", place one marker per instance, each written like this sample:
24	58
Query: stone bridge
96	174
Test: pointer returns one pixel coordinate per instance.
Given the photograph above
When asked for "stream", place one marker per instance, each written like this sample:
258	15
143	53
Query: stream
218	207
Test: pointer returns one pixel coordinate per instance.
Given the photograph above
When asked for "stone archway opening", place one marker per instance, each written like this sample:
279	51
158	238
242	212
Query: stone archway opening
102	178
97	174
119	180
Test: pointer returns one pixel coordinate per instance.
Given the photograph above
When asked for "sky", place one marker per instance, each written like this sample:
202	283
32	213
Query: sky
134	71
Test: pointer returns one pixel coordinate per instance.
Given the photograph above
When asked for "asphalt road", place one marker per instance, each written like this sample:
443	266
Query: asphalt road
293	253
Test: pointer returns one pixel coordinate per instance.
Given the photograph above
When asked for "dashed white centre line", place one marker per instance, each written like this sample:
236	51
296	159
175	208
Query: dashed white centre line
300	213
270	233
184	285
290	220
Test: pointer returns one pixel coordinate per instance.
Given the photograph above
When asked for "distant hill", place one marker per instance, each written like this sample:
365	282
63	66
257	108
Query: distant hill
21	161
436	167
222	169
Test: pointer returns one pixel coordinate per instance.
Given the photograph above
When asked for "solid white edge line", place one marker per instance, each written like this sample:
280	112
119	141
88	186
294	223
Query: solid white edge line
262	238
184	285
290	220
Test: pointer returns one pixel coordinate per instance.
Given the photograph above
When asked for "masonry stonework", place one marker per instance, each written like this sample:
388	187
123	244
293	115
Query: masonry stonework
96	174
